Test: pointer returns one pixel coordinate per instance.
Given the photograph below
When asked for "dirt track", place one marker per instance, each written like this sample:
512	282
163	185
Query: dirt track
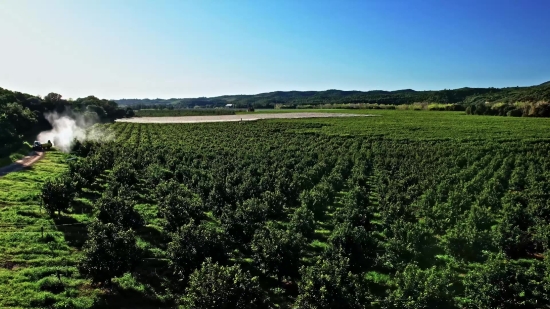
21	164
225	118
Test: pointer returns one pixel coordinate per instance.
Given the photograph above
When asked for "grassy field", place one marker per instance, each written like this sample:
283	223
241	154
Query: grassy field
38	254
428	125
34	248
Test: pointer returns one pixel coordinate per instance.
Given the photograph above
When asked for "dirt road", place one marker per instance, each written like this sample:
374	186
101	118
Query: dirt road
225	118
21	164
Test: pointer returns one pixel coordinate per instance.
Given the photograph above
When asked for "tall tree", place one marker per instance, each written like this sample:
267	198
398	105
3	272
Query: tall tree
277	251
191	245
109	252
224	287
57	194
503	283
416	288
330	284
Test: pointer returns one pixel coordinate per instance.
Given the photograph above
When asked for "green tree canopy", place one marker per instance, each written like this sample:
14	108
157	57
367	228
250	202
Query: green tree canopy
225	287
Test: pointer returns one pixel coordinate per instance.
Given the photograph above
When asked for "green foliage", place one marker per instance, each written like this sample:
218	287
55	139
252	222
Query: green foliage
513	109
513	229
109	252
156	174
191	245
15	120
502	283
57	194
416	288
21	117
302	222
125	173
317	199
329	284
277	251
177	205
468	239
216	286
407	242
355	243
85	148
241	223
83	173
119	210
23	114
9	137
405	210
355	208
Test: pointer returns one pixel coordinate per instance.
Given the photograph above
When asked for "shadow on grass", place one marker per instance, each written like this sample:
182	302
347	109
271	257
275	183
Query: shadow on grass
75	232
154	274
128	298
90	195
145	198
81	207
32	214
321	235
154	237
149	280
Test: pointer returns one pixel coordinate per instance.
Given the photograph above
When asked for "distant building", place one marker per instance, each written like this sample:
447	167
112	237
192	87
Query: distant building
228	105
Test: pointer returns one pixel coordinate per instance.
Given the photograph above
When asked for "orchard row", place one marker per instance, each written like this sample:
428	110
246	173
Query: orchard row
299	218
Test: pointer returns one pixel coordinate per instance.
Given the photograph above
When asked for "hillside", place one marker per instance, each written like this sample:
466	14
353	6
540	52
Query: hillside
467	96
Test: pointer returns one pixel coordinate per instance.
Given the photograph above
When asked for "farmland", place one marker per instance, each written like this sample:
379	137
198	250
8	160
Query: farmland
183	112
406	210
175	118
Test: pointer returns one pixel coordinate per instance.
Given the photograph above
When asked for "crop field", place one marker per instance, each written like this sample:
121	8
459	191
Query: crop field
406	210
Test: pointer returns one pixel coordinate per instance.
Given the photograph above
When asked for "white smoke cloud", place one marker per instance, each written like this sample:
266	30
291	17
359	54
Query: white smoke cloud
68	127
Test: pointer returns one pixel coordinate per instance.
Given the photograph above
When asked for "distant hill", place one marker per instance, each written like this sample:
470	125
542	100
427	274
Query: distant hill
467	96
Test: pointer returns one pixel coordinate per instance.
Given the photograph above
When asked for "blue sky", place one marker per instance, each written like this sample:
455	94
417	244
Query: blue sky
188	48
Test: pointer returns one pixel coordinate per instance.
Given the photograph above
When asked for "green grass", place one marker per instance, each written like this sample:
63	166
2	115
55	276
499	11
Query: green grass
425	125
30	262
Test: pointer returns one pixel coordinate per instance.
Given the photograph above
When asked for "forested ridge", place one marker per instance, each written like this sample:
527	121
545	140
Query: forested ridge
465	96
22	114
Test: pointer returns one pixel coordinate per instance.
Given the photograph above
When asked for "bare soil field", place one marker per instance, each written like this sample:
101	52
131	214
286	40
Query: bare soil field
225	118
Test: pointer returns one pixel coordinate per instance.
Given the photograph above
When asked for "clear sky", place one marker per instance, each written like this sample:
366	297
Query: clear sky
187	48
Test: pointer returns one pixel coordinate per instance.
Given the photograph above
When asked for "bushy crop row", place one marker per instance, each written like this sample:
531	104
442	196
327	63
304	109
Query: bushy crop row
252	215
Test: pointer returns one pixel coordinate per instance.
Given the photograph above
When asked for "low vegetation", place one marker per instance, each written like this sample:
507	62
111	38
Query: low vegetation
411	209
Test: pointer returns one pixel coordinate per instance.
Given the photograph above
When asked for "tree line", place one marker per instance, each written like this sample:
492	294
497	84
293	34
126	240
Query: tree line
463	96
23	114
518	109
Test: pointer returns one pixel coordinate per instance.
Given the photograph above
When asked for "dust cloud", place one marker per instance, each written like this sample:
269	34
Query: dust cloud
68	127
